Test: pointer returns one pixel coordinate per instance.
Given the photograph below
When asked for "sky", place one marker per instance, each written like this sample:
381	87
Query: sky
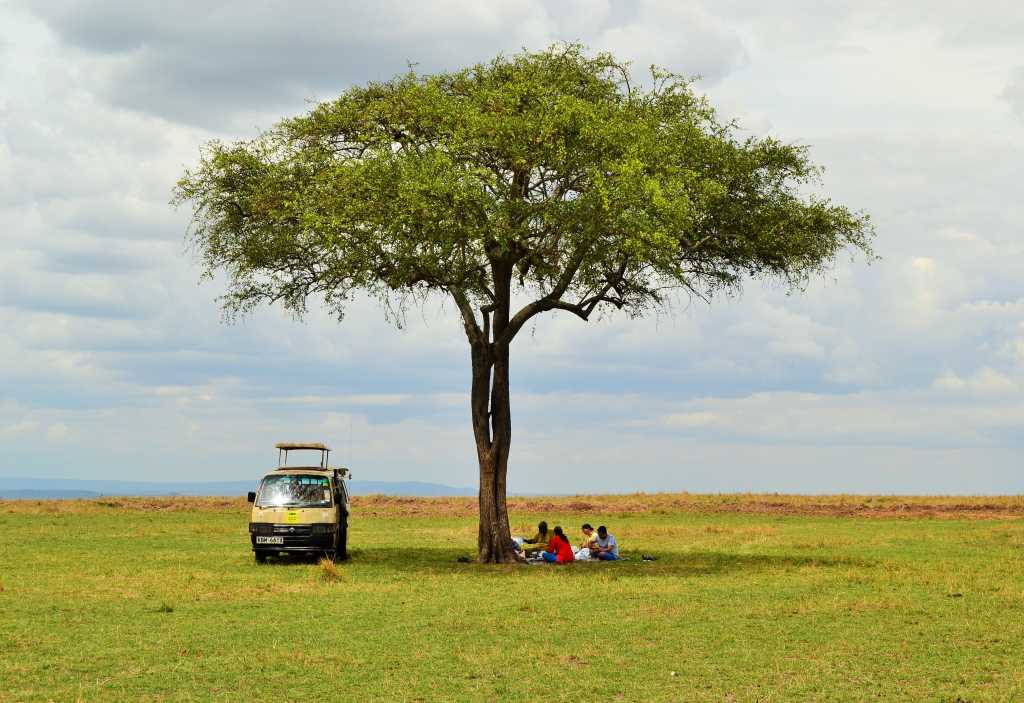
902	375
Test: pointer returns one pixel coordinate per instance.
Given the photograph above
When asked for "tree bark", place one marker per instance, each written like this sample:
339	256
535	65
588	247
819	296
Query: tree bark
492	426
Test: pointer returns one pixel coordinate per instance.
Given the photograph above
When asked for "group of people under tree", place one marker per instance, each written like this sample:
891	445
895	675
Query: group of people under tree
553	546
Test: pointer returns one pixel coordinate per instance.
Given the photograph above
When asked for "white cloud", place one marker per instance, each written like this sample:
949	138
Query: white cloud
787	333
907	419
57	432
15	429
343	400
985	381
917	361
1014	92
691	419
681	37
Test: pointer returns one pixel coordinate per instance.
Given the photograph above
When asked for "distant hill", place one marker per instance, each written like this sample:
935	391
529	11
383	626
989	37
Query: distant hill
30	494
52	488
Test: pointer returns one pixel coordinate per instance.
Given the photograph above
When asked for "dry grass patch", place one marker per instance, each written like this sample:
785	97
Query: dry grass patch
958	507
203	504
667	503
329	572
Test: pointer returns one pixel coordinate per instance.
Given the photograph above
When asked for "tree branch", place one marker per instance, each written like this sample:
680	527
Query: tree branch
469	322
485	312
551	301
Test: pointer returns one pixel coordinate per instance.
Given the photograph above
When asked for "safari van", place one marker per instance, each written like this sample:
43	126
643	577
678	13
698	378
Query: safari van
301	509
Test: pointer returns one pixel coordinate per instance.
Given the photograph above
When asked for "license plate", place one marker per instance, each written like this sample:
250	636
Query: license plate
269	540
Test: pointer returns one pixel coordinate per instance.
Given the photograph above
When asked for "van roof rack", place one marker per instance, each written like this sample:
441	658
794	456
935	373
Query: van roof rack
302	445
284	447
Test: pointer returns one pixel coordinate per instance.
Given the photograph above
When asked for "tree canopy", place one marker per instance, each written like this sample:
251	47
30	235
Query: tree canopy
550	176
601	192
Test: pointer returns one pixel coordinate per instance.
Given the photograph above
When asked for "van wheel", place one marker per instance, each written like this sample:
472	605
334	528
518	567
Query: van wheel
261	558
341	554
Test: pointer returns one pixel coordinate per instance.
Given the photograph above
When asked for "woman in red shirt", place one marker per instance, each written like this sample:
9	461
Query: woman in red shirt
559	550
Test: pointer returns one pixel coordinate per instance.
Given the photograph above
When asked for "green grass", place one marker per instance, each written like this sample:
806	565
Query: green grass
128	604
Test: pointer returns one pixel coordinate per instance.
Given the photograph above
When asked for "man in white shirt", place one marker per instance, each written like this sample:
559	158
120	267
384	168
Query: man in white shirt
604	546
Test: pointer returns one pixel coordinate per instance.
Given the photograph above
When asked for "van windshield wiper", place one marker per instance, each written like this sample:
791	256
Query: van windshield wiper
295	505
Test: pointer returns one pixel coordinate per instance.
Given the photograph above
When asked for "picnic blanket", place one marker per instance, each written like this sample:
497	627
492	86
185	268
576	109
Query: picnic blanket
540	560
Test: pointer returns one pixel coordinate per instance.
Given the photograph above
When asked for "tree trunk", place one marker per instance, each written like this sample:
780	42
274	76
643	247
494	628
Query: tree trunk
492	427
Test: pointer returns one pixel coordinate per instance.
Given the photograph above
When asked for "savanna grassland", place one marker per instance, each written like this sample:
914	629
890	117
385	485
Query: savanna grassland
752	598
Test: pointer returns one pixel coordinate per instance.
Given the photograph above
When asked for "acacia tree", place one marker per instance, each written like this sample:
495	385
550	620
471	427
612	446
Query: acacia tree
537	182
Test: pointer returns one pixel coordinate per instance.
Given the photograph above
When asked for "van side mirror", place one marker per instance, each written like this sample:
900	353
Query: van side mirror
251	497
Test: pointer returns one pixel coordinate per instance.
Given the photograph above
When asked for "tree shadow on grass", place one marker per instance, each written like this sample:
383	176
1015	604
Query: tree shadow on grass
681	564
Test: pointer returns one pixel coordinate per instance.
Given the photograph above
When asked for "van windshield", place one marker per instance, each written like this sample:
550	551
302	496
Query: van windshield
294	491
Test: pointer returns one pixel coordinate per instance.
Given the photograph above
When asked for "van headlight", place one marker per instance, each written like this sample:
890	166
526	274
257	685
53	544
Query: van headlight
323	528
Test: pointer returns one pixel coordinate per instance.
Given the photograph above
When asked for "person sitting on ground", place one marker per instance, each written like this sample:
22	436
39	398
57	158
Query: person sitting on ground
559	550
605	547
588	536
539	541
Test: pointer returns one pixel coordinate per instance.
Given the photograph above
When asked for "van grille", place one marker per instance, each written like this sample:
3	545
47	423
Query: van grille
293	530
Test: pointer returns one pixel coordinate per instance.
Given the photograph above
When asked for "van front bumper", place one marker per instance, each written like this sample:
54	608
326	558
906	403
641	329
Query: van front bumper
273	537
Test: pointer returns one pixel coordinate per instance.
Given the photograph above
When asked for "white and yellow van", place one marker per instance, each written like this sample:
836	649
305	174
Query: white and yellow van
301	509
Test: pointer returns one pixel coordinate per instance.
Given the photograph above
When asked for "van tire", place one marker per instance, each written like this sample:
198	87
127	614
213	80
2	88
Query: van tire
261	558
341	553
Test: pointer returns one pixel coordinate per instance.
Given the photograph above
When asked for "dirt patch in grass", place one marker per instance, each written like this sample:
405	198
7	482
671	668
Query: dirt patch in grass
108	504
958	507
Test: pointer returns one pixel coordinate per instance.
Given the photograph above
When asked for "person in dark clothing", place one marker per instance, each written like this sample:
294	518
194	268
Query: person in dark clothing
537	543
605	547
